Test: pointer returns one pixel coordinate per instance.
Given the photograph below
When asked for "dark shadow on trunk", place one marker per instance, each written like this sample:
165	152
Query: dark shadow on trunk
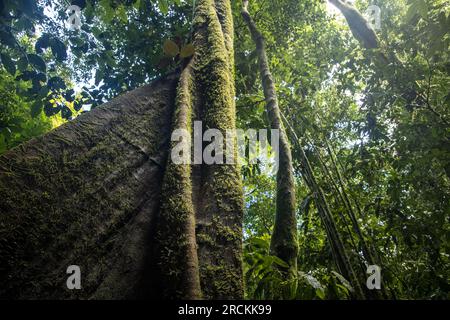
87	194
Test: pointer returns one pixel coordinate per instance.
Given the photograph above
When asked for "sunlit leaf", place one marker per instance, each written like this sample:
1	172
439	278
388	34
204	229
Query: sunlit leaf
187	51
171	48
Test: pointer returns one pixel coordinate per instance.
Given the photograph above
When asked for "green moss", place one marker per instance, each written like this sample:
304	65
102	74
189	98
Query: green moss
207	87
223	282
68	199
205	239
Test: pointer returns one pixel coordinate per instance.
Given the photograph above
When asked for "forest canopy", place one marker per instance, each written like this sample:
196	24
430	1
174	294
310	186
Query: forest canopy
358	89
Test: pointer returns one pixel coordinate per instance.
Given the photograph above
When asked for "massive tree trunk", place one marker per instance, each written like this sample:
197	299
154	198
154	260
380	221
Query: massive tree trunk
86	194
204	201
102	193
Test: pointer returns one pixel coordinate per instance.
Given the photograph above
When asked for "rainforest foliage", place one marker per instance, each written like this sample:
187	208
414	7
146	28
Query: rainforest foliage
368	126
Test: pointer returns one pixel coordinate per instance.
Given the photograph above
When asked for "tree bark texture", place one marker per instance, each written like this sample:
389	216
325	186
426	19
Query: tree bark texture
86	194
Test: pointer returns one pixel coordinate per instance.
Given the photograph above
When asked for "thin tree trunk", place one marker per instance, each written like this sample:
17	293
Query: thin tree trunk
339	253
359	26
284	243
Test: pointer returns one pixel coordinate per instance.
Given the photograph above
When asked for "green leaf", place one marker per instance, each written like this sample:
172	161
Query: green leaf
66	113
50	109
8	63
320	293
22	64
7	39
56	83
98	76
418	7
39	77
69	95
187	51
258	242
313	282
122	14
42	43
26	75
37	62
77	105
344	281
36	109
108	12
422	8
137	4
163	6
280	262
27	6
24	24
109	58
59	49
43	93
171	48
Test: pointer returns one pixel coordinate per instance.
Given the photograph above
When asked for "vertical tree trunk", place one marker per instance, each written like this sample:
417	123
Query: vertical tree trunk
284	238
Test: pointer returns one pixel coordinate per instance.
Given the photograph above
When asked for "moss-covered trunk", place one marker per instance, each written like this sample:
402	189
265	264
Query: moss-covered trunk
205	202
101	192
86	194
